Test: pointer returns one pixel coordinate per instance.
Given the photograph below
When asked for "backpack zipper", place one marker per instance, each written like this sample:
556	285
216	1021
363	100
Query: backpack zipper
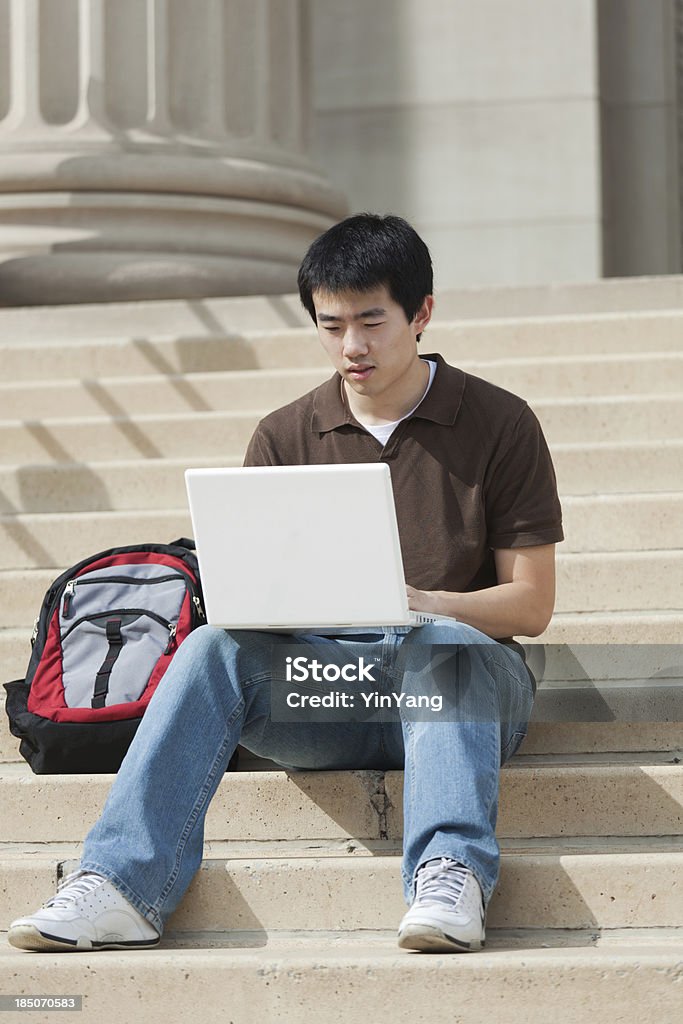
70	588
53	599
172	630
172	627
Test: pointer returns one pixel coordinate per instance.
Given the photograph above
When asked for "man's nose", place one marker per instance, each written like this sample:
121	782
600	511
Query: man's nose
354	342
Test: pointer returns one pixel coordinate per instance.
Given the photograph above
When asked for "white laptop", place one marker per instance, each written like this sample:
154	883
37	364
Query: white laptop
299	548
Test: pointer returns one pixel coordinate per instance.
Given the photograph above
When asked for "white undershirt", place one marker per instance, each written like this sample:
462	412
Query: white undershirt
383	431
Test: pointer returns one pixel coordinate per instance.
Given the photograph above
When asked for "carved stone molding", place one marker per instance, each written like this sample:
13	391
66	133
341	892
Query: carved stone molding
155	148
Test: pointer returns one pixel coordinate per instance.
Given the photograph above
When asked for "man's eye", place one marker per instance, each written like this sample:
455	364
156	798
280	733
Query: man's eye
374	325
331	329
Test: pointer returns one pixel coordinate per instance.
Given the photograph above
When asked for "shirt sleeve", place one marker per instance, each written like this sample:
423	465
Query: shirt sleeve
259	450
522	504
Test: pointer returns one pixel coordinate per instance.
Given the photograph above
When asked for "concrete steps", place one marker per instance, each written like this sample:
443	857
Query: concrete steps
634	735
593	524
313	907
545	796
118	343
601	582
601	884
334	839
353	978
616	627
122	485
292	916
273	312
574	629
618	374
96	438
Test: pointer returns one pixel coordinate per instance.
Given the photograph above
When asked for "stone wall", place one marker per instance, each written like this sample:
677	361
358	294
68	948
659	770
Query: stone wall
478	121
529	140
157	148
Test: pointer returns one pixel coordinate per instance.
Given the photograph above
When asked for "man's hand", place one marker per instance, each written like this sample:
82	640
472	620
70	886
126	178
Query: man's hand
520	605
424	600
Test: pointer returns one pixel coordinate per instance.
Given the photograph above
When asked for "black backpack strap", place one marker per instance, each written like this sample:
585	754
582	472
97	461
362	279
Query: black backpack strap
115	640
183	542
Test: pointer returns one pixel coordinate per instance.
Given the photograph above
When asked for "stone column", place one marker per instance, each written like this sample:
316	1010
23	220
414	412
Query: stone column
678	25
640	148
155	149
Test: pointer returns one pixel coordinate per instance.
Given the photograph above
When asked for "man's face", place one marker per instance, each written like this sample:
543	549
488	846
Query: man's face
368	339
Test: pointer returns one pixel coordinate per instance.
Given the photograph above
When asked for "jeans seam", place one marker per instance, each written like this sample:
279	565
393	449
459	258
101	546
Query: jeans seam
196	810
487	798
521	679
411	740
513	744
259	677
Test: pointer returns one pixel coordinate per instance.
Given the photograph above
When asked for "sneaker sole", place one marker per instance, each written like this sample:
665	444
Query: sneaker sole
428	939
30	938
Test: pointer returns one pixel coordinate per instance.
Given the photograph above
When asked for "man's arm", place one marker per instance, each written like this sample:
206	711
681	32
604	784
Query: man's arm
521	604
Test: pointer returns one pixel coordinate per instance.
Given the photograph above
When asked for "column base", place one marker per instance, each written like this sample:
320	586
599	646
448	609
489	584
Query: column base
73	247
57	279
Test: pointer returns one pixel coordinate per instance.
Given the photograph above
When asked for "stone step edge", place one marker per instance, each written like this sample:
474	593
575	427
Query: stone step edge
169	465
75	318
503	938
540	799
610	569
670	284
606	402
598	740
60	853
165	461
648	615
564	764
671	754
579	500
361	977
72	488
634	942
608	617
541	937
177	516
286	373
246	891
499	938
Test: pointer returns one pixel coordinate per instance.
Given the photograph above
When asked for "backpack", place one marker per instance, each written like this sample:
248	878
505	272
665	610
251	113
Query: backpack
107	631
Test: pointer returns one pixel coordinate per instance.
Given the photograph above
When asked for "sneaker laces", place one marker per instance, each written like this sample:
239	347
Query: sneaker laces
75	885
441	881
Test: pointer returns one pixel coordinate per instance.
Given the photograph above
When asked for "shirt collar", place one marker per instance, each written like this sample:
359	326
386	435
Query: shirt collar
440	405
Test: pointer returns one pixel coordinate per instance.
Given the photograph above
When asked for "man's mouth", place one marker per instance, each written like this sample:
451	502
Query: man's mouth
358	372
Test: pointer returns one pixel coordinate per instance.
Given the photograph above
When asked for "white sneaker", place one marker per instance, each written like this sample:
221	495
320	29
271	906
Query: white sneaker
88	912
447	914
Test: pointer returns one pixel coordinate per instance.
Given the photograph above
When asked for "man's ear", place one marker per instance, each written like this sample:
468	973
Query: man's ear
424	314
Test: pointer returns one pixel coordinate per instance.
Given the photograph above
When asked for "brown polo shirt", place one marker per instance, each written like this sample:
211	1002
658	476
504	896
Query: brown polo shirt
470	471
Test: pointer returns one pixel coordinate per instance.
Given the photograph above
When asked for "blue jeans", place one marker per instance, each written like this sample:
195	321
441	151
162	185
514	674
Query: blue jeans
217	693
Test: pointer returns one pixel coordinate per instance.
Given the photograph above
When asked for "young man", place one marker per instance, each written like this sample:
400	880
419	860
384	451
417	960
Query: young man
478	518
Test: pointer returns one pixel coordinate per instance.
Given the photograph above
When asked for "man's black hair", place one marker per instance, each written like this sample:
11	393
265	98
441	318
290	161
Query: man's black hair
367	251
